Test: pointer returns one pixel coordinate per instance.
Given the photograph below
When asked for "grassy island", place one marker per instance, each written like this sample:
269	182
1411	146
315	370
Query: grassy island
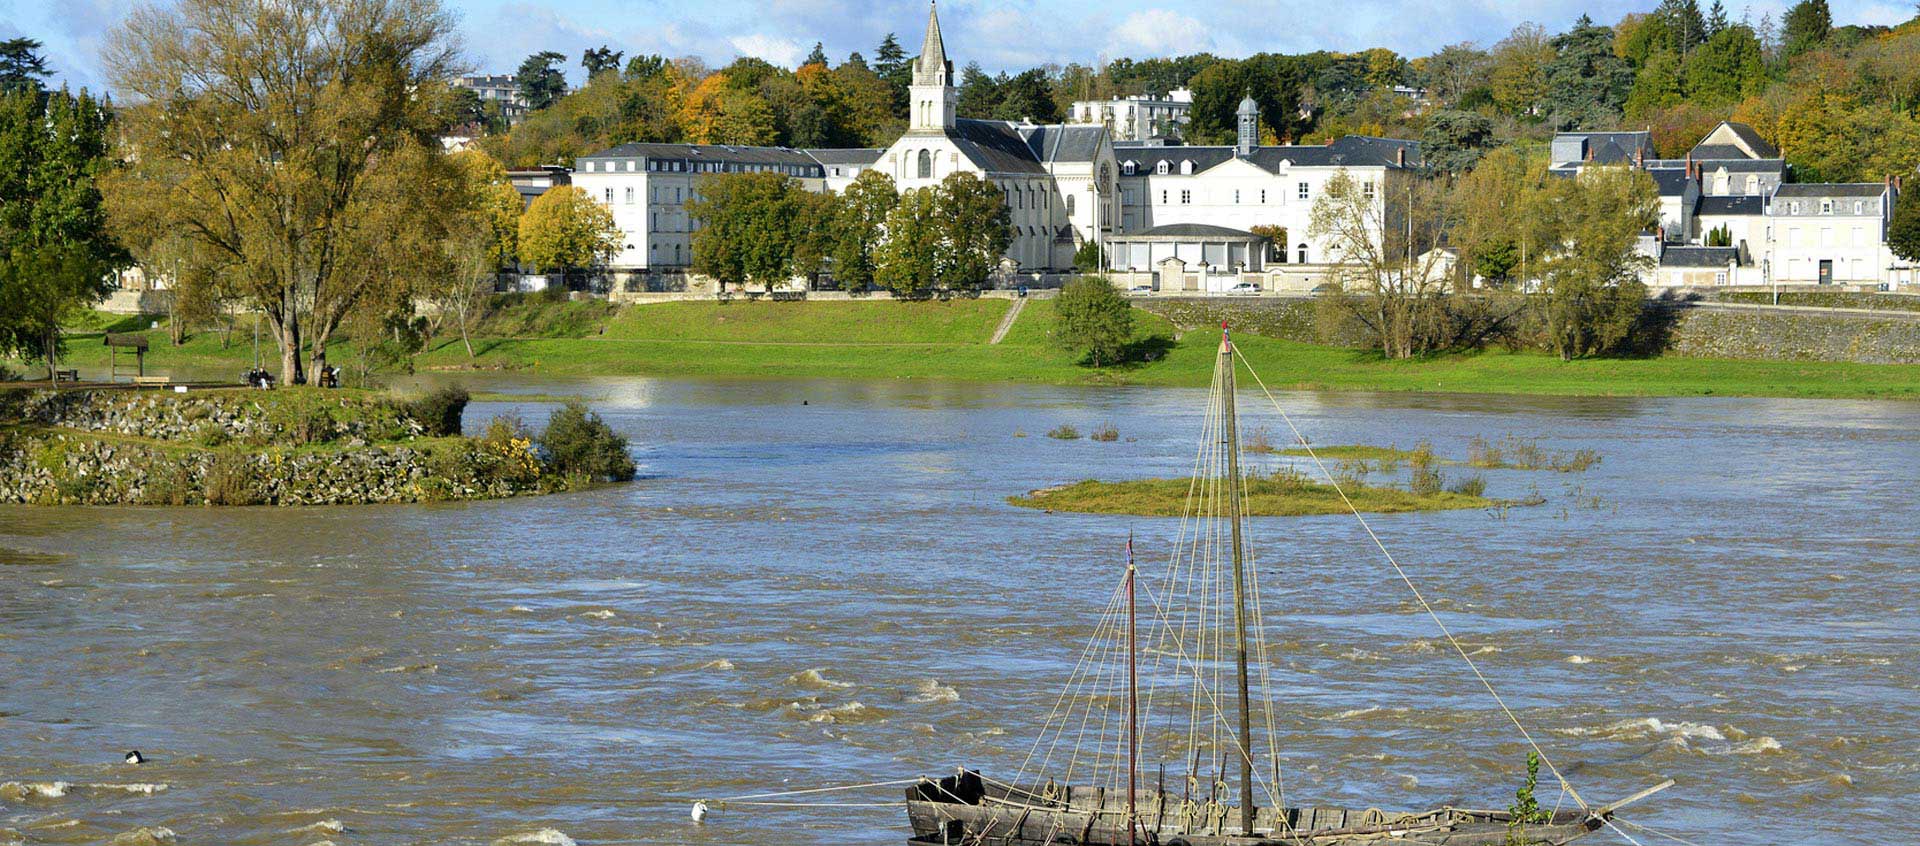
1267	496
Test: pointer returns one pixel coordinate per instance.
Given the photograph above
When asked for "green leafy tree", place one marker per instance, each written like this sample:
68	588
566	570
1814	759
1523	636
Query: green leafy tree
817	57
979	93
578	444
1806	26
1683	19
539	82
858	228
1586	83
1027	96
751	229
1903	234
1093	320
1716	20
599	60
566	230
890	64
975	229
21	65
1454	140
1274	82
745	119
1390	275
907	262
1728	66
1657	86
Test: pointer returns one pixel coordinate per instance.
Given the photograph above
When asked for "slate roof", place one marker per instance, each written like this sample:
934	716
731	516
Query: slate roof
1743	206
1741	165
1349	151
1699	256
1672	182
1063	143
1831	189
707	153
862	156
1761	149
994	146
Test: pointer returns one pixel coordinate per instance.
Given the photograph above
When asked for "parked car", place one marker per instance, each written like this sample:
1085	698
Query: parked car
1246	289
1321	289
1141	289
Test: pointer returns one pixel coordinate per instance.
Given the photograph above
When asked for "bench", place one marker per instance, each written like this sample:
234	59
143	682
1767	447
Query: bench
66	375
152	380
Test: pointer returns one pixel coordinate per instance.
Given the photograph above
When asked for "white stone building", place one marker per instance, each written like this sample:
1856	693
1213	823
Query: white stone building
1831	233
1139	118
648	186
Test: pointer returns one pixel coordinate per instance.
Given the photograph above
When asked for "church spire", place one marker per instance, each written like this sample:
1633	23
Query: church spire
935	100
932	68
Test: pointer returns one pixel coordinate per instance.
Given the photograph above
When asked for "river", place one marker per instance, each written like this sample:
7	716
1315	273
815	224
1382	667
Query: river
1730	598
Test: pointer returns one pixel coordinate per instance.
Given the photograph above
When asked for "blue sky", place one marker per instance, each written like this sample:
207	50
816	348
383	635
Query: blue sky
999	34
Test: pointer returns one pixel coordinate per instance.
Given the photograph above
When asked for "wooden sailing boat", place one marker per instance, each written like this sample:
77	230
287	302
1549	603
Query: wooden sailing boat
1060	795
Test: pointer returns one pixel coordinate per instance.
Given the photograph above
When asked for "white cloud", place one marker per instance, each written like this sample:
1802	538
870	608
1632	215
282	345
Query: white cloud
784	52
1159	32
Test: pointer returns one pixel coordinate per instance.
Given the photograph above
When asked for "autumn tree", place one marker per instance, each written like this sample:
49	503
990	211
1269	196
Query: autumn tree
1382	240
482	238
1591	284
1903	234
1805	27
565	230
1518	78
289	141
859	228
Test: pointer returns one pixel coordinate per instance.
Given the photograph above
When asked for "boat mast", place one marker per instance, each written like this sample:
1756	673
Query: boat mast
1230	434
1133	700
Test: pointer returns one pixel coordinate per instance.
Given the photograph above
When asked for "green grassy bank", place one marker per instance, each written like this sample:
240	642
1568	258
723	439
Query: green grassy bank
949	340
1265	497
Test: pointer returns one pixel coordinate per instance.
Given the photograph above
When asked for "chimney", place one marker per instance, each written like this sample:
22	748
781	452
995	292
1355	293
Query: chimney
1400	156
1640	157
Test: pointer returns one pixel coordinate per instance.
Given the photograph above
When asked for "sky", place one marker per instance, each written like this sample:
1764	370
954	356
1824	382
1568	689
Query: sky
1008	35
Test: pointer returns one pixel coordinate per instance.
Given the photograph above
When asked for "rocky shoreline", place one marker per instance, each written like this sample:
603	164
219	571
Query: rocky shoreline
289	447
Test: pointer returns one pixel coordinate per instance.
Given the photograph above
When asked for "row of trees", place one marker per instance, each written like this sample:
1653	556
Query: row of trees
764	229
1574	241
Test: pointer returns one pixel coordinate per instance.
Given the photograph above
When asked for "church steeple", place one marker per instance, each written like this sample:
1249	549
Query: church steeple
932	67
934	99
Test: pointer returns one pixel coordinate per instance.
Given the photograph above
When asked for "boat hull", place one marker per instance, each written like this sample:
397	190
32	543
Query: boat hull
965	810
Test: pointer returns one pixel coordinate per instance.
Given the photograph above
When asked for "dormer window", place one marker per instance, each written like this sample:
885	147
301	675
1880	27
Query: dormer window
1826	207
1186	168
1160	168
1127	168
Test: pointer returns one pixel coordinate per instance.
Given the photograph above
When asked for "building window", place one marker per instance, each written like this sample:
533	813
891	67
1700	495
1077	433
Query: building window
1263	196
1720	278
1069	205
1826	207
1793	207
1303	195
1186	167
1303	253
1163	196
609	195
1366	189
926	164
629	195
1128	168
1186	198
1236	196
1160	168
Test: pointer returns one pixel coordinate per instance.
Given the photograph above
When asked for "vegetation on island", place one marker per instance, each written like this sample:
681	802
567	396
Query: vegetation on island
292	446
1284	493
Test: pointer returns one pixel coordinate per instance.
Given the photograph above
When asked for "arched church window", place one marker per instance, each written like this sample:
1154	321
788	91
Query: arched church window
926	164
1069	205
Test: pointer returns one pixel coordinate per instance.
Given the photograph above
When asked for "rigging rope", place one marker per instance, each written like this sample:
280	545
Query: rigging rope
1484	682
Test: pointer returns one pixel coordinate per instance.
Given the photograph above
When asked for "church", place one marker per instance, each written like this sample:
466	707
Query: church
1066	185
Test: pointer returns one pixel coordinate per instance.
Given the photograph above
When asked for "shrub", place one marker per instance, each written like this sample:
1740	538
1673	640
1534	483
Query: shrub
1257	441
1093	320
1481	453
229	480
1427	479
1470	486
167	483
577	443
1105	433
1290	479
211	435
1351	473
510	446
1576	461
1064	432
438	413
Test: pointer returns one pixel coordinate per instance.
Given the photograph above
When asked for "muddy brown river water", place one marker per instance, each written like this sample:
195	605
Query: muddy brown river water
796	595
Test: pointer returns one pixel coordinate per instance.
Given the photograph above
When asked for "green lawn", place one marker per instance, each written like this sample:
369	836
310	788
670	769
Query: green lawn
948	340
